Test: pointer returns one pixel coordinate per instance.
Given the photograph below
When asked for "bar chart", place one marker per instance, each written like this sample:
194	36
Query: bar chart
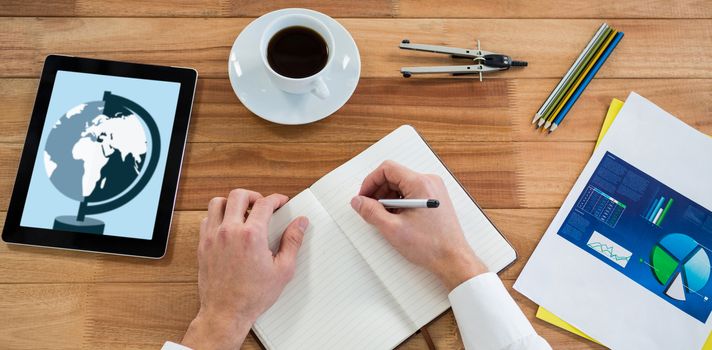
657	210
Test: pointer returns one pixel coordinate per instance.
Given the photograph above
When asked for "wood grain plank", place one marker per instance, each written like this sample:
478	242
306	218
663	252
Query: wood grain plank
522	227
138	316
495	110
43	316
22	264
189	8
371	8
498	174
556	9
26	41
144	315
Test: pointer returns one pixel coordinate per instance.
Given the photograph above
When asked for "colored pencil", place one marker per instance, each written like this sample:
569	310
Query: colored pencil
586	81
568	73
581	76
587	58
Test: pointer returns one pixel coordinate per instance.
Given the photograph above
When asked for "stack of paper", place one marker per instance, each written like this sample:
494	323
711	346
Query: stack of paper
626	277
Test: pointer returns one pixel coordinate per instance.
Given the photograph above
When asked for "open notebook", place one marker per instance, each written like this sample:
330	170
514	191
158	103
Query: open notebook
351	290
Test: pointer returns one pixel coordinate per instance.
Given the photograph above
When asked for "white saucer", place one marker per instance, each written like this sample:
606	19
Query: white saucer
254	87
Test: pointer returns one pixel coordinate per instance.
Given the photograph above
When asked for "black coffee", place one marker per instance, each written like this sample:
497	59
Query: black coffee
297	52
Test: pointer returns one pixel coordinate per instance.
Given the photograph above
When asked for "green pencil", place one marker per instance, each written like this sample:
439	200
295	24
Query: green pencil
563	80
548	112
580	78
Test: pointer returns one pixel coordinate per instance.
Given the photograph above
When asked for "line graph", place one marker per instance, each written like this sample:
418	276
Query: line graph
607	250
611	250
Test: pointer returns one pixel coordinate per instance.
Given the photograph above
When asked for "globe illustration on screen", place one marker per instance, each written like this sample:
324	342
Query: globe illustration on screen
101	154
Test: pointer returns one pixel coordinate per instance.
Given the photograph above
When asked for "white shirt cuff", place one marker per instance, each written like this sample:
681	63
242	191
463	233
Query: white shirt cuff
173	346
488	317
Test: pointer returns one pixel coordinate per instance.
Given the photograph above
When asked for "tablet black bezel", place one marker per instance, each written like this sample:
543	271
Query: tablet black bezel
154	248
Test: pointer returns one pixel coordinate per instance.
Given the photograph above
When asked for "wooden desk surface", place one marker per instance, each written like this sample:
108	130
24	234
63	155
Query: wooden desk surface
65	300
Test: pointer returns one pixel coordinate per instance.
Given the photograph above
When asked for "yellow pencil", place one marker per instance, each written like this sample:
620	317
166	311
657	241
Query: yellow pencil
560	95
580	79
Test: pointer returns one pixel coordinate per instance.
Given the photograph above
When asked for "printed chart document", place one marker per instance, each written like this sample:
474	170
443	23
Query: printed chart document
351	289
627	257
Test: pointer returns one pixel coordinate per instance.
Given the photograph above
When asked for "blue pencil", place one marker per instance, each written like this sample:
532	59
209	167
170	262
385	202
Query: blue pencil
586	81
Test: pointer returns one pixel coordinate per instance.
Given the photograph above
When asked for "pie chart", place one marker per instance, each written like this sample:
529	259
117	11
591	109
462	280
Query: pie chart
681	265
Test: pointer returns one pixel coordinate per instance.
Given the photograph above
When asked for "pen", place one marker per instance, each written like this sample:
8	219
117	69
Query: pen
410	203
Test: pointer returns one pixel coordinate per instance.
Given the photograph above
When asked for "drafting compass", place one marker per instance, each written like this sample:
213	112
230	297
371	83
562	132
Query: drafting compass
485	61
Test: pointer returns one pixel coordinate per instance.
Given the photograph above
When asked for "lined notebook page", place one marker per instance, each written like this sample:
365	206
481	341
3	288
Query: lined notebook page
416	290
334	300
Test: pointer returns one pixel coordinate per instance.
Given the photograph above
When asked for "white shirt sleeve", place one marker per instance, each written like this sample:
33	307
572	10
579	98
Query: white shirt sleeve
173	346
489	319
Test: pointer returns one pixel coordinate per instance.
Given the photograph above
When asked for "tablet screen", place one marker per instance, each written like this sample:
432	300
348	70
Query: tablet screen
102	155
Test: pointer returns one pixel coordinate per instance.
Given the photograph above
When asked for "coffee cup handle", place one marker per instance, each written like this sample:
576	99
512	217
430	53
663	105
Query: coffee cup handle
320	89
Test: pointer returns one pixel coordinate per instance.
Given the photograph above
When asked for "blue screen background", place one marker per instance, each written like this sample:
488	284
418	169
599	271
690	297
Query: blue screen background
136	218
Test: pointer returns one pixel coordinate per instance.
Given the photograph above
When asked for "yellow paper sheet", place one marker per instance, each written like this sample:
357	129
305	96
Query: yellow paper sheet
708	343
544	314
613	110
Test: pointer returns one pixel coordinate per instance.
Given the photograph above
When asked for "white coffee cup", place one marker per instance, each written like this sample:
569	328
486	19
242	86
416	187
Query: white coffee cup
312	84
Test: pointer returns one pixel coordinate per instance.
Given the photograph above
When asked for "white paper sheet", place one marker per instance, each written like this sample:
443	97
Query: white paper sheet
592	296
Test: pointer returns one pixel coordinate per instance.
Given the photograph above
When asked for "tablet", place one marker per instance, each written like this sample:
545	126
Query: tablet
102	157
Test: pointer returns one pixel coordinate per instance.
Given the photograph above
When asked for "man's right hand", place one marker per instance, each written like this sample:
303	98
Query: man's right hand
432	237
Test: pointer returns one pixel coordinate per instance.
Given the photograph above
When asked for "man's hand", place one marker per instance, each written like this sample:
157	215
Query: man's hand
238	277
431	238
